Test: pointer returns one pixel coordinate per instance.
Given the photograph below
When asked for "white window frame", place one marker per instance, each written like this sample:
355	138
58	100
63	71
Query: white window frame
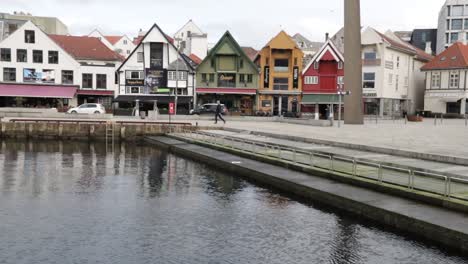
316	65
390	79
435	80
340	80
311	79
128	90
139	56
129	75
340	65
454	80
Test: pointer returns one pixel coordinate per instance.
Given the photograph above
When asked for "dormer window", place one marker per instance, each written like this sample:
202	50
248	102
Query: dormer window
29	36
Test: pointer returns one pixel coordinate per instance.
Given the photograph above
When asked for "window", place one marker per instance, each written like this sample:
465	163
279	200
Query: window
266	103
435	80
466	23
316	65
133	90
9	74
101	81
457	10
454	79
406	81
37	56
128	51
453	37
281	65
183	76
21	55
311	80
212	77
370	55
242	78
457	24
29	36
241	63
250	78
397	62
295	61
449	13
53	57
447	24
67	77
172	76
87	80
390	79
397	82
156	55
369	80
134	75
203	77
140	57
125	42
340	80
5	54
212	63
280	84
340	65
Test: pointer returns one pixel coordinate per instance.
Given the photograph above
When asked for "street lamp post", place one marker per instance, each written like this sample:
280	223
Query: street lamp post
177	80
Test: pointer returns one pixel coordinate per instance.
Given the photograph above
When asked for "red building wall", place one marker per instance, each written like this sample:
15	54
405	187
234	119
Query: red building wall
327	73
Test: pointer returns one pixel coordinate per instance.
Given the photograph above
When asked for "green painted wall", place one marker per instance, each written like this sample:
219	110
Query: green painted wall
224	55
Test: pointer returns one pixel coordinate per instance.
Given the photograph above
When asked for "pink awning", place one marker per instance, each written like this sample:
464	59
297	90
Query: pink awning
30	90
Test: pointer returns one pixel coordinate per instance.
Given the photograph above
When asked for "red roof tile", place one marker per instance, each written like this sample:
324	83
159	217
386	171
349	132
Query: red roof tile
195	59
85	48
250	52
113	39
455	57
406	47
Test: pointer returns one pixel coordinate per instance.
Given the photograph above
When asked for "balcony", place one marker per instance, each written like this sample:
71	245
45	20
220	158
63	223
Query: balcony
371	62
281	69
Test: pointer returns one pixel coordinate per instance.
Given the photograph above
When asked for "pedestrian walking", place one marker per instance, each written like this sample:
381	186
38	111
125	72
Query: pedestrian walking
218	113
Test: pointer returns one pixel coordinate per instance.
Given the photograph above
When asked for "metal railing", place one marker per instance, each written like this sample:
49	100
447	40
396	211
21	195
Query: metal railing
411	179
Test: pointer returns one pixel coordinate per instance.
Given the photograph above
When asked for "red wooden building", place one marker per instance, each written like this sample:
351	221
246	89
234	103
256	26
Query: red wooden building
322	79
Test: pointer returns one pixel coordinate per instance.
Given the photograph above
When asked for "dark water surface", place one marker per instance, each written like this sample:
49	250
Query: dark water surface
70	202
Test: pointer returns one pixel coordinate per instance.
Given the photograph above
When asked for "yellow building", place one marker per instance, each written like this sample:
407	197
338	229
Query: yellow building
280	86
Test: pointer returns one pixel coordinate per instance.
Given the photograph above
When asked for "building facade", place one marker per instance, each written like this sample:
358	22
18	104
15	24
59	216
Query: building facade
425	39
156	72
10	22
453	24
190	39
446	81
40	70
322	79
392	81
280	85
122	45
227	74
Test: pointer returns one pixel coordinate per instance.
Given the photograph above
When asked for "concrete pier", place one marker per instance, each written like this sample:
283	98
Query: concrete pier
445	227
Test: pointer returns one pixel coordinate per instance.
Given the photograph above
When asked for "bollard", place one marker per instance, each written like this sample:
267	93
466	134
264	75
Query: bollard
435	120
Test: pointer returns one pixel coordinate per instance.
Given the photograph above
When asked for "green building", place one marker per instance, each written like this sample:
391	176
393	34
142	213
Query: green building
227	74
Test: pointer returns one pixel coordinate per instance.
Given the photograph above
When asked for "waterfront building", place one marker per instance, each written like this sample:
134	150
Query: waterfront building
322	78
122	45
452	24
155	72
9	23
392	80
280	85
55	70
229	75
446	81
192	40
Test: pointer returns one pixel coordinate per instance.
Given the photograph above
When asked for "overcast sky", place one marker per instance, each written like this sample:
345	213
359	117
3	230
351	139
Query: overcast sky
252	22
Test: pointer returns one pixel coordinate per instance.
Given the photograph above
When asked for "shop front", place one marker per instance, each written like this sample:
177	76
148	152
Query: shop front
103	97
36	96
238	101
278	104
321	106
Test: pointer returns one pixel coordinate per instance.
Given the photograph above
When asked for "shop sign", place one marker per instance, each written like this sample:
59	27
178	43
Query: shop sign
296	77
135	82
445	95
45	76
266	81
371	95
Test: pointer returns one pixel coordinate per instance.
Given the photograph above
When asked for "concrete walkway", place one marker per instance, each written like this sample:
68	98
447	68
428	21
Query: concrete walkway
434	223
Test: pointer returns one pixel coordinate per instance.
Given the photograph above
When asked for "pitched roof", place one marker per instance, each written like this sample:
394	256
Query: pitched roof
405	47
113	39
282	39
195	58
138	39
250	52
455	57
85	48
328	46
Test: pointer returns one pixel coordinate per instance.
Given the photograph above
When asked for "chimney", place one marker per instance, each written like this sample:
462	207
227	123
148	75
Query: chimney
327	36
428	49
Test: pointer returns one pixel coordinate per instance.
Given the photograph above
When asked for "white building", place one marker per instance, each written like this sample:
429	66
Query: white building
453	24
446	81
392	80
123	45
55	70
149	74
192	40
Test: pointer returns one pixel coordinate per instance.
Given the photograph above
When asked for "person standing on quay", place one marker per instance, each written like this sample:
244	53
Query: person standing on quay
218	113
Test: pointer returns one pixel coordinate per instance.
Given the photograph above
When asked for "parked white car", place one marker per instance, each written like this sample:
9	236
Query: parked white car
88	109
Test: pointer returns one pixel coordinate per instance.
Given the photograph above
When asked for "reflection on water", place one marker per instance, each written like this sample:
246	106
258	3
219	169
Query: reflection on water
72	202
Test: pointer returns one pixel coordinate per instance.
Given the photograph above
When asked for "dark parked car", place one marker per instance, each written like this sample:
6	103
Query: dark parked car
208	109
